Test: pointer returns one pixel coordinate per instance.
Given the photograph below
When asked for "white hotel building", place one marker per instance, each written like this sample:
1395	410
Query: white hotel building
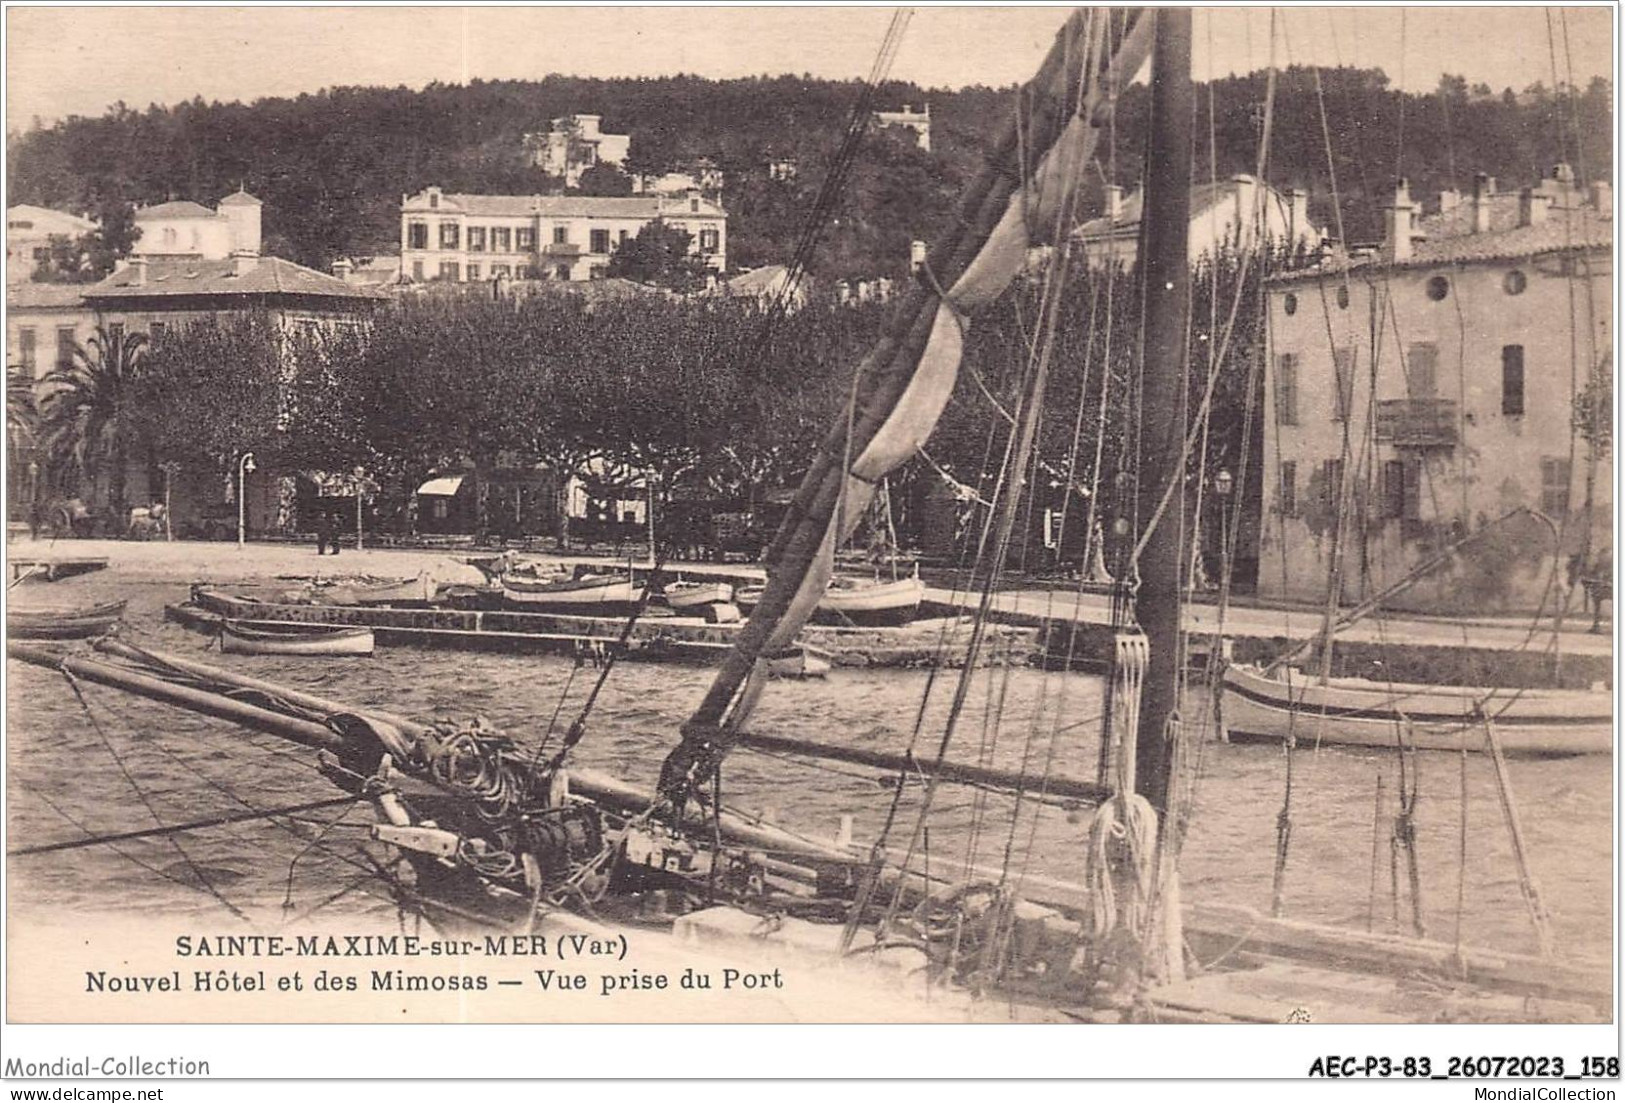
467	238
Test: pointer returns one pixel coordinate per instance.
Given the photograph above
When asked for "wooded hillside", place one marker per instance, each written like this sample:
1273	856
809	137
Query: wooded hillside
331	166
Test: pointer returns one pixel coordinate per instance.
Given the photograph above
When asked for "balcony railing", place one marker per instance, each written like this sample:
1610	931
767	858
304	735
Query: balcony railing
562	249
1417	422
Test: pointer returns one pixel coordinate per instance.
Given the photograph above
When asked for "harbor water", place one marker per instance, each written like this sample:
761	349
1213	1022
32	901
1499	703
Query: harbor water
112	763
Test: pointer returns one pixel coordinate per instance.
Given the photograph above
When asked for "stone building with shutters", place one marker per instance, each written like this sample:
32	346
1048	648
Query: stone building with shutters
458	238
1426	391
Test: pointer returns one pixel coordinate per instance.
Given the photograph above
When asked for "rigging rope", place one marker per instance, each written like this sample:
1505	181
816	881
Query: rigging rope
73	683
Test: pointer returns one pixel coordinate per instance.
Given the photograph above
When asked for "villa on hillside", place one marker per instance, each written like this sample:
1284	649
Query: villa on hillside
467	238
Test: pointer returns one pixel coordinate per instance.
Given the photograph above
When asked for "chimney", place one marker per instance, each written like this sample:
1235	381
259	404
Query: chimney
342	269
243	261
1483	188
1563	173
138	272
1298	199
1449	200
1602	197
1532	207
1114	202
1246	204
1397	224
916	255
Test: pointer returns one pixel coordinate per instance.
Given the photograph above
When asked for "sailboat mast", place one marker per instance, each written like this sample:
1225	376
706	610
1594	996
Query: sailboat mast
1165	264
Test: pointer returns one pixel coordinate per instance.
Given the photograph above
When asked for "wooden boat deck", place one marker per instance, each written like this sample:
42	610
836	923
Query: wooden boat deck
52	568
678	639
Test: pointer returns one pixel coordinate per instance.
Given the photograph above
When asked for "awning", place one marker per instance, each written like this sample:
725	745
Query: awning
446	485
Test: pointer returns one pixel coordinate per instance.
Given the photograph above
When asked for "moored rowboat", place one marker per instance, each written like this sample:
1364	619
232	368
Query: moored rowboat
1354	712
273	638
60	623
800	661
858	601
591	592
692	595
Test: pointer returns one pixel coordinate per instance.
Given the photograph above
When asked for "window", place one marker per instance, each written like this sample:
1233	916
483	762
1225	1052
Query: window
1512	380
1289	488
157	330
1515	282
439	508
1343	361
450	270
417	235
64	346
694	203
1422	370
710	240
1331	478
600	241
1393	489
27	352
1554	486
525	238
1438	288
473	272
598	271
500	271
170	237
561	272
476	239
417	270
1290	304
449	235
1343	298
501	239
624	237
434	200
1286	389
115	330
561	235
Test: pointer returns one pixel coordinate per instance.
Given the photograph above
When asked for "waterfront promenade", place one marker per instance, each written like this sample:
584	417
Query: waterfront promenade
184	562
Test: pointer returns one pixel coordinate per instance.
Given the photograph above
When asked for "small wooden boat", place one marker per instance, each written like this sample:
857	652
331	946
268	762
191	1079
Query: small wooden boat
278	638
415	591
851	600
694	594
592	593
1354	712
800	661
63	623
857	601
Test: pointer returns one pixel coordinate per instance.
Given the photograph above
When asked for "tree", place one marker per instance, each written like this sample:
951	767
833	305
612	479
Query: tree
605	179
660	255
92	413
92	255
214	390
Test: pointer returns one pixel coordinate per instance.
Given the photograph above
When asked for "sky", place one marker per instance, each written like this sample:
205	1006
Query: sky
64	61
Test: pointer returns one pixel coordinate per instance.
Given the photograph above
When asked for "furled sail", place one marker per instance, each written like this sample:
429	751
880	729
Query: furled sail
907	379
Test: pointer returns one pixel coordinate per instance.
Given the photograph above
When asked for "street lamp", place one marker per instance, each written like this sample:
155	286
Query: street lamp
244	465
1223	484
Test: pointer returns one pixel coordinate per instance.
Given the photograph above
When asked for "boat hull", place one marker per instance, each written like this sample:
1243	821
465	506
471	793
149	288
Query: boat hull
884	604
802	661
587	595
1351	712
240	639
698	594
63	623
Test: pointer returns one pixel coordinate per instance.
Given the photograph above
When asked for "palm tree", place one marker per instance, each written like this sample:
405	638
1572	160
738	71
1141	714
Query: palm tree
89	412
22	434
